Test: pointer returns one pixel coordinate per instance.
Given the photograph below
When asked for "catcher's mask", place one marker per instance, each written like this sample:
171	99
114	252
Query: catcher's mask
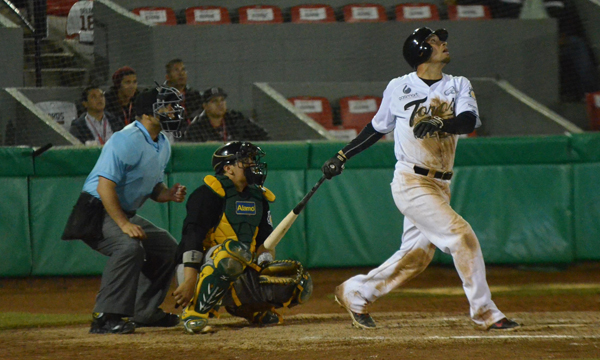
164	104
416	50
168	110
249	154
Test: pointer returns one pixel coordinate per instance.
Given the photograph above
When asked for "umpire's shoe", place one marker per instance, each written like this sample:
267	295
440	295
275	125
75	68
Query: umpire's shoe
504	324
361	321
105	323
193	322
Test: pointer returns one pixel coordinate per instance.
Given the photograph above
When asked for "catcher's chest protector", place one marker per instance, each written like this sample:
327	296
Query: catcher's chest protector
242	212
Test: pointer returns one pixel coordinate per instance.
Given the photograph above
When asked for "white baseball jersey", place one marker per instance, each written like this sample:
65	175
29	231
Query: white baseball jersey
407	100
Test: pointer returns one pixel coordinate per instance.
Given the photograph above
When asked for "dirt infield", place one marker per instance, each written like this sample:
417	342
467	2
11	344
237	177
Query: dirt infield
428	319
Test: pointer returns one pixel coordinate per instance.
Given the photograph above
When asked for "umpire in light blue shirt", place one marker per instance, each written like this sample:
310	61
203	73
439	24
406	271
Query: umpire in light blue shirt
131	169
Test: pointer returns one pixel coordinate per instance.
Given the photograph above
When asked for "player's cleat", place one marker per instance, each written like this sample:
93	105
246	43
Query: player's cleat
267	318
193	322
361	321
111	324
169	320
504	324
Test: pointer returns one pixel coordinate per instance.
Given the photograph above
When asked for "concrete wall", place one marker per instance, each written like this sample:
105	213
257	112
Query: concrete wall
501	113
11	55
235	56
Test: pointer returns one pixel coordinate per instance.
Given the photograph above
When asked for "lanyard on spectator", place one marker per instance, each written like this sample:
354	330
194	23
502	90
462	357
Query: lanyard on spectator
93	125
127	114
224	132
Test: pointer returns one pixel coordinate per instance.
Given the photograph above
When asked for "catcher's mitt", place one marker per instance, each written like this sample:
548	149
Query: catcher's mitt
281	272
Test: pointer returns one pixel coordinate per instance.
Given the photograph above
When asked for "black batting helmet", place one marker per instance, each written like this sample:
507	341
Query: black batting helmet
416	49
246	152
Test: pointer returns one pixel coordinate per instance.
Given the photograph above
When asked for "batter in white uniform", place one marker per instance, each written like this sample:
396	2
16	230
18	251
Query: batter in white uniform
427	110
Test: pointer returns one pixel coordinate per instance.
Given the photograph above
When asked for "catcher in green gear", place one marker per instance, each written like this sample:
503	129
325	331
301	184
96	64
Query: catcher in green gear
222	258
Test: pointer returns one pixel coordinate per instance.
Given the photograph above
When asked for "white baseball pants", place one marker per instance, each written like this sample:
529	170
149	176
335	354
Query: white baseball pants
429	222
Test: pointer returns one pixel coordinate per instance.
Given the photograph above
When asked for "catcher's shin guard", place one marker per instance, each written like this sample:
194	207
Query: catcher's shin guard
226	264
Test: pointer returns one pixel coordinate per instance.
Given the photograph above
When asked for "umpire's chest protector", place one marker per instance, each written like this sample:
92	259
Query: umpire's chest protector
242	212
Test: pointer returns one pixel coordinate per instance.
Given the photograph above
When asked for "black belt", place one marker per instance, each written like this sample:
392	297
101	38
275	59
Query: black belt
436	174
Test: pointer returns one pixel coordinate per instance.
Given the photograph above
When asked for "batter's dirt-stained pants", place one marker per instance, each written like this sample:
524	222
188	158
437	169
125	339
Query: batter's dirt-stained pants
138	273
429	222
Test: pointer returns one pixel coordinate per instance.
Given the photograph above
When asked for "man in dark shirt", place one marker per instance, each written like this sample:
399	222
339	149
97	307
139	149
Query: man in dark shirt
176	76
216	123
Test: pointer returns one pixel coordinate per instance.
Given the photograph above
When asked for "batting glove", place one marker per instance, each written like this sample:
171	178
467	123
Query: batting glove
334	166
428	127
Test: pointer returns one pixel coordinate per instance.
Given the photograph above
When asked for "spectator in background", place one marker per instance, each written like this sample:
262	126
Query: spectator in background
120	97
578	73
176	77
95	126
216	123
578	70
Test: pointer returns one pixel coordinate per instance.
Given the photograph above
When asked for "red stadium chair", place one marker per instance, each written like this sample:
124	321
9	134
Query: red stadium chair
469	12
364	13
59	7
313	13
260	14
417	12
207	15
159	15
317	108
357	111
593	109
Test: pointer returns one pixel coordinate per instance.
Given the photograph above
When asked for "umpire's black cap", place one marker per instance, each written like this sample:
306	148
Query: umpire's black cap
144	101
416	50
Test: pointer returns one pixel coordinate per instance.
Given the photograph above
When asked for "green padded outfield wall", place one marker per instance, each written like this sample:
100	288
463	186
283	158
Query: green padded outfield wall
529	200
16	165
586	194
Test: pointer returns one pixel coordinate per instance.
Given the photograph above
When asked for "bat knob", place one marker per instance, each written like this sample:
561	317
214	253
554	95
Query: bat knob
331	166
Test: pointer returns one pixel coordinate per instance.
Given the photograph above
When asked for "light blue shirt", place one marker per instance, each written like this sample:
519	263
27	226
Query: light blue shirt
133	161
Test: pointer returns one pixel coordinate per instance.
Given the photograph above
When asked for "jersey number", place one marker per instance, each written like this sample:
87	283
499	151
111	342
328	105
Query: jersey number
87	22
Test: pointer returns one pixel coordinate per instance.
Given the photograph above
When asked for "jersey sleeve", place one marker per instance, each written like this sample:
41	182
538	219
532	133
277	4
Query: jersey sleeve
383	121
466	100
204	209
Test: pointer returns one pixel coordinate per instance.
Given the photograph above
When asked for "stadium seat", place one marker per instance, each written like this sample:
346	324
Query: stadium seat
364	13
316	107
59	7
593	109
207	15
80	22
357	111
260	14
417	12
312	13
159	15
63	112
469	12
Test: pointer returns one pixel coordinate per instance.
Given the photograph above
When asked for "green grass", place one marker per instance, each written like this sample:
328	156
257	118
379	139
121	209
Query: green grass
13	320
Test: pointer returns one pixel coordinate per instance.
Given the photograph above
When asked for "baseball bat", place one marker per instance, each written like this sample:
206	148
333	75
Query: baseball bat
285	224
